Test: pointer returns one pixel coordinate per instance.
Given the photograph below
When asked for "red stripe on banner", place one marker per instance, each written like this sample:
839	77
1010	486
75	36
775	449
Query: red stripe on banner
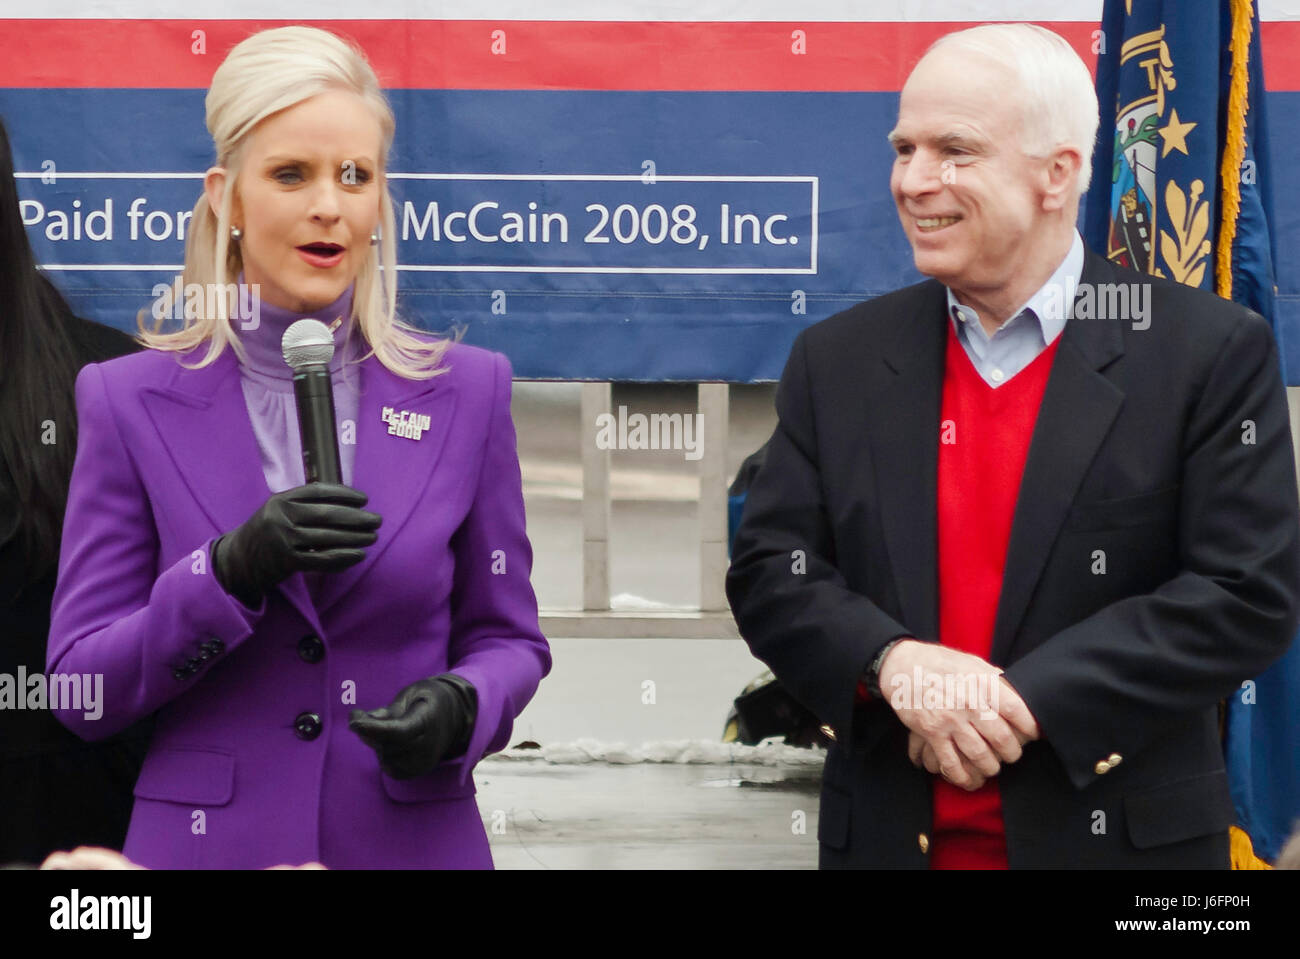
539	55
1281	45
458	54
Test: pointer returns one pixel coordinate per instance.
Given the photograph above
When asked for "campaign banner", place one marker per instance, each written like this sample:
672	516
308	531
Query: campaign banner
649	194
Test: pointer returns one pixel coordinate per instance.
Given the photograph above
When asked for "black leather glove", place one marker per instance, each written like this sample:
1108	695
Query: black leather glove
429	721
319	527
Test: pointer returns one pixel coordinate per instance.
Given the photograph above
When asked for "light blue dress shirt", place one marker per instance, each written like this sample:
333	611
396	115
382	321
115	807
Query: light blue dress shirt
1016	343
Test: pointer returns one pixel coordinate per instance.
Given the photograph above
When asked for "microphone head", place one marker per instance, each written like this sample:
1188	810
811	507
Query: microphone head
307	343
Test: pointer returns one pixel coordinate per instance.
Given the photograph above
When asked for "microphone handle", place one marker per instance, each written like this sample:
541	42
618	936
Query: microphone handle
314	394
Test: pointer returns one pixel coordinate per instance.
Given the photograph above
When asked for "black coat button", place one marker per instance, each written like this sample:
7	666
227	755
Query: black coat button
311	649
215	646
193	664
307	726
180	674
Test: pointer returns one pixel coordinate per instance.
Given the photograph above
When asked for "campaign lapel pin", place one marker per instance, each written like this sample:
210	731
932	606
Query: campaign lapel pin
405	423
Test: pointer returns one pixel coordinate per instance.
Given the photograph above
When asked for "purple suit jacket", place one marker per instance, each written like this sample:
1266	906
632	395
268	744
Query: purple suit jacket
166	462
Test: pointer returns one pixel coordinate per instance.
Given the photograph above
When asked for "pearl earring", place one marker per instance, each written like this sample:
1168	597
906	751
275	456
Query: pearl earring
374	239
235	233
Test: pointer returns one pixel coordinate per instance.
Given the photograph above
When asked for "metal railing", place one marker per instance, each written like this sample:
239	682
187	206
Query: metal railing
712	619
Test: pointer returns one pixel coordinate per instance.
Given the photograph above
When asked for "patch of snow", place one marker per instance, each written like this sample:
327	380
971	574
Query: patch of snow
770	752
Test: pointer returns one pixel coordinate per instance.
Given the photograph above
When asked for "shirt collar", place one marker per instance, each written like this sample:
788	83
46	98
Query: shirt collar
1051	305
262	343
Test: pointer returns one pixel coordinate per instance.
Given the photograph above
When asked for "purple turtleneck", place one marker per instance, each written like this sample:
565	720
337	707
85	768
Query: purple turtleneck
267	383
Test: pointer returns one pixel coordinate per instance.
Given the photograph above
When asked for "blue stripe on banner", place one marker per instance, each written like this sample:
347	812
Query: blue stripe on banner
1284	136
792	167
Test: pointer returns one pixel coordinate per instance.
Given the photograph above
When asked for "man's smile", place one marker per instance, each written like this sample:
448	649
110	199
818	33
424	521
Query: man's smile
932	224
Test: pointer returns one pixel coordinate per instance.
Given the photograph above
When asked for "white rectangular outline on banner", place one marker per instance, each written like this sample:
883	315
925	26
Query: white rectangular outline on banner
813	181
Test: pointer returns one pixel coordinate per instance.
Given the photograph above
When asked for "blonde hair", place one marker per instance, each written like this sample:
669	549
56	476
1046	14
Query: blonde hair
265	73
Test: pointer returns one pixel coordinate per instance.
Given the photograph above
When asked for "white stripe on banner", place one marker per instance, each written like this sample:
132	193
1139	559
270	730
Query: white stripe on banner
673	10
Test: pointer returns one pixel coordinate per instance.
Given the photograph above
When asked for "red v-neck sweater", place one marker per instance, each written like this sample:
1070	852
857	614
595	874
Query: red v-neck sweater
984	441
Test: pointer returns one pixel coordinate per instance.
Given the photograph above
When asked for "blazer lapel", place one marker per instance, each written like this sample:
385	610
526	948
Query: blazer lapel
202	420
904	418
1079	405
392	470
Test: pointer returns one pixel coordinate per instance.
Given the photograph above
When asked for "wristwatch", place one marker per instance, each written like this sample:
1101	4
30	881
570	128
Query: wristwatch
871	678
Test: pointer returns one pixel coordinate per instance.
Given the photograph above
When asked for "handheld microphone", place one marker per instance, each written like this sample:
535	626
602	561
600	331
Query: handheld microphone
308	346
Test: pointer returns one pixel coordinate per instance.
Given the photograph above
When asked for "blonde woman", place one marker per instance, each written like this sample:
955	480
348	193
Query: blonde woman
327	662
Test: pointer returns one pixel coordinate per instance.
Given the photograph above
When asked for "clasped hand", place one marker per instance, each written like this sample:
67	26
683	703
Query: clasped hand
963	719
429	721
